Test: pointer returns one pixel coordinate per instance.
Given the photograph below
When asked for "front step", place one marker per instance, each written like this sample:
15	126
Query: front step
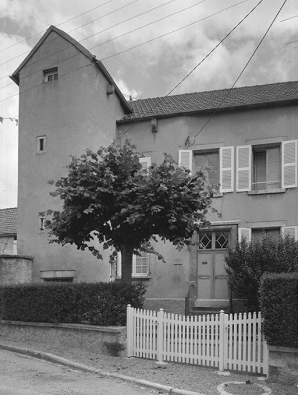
208	310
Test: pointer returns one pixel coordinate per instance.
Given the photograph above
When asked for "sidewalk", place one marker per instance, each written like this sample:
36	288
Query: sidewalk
171	378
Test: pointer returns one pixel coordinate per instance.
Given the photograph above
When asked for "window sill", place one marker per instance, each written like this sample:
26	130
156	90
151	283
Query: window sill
138	278
266	192
217	195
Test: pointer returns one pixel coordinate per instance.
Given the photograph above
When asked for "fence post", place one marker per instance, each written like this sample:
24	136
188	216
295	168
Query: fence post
221	340
129	329
160	316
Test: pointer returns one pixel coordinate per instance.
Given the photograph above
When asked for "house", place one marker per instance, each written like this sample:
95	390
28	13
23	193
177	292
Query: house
8	231
244	138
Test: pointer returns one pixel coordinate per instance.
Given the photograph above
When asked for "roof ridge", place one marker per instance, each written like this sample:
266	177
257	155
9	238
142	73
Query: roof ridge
216	90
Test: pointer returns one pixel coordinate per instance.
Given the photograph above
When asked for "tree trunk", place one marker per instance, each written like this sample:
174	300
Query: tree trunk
126	263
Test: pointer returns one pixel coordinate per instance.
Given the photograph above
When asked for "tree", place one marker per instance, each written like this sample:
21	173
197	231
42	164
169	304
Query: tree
248	261
108	196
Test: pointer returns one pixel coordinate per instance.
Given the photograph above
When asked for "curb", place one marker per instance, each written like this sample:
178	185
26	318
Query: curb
62	361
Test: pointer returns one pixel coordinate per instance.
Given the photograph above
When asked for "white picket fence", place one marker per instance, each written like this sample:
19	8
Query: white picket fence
224	341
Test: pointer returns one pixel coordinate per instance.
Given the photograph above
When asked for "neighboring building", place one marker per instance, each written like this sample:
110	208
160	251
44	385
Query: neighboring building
8	231
246	137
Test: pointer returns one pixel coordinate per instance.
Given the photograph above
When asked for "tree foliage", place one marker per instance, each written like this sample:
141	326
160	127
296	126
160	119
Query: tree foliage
108	196
248	261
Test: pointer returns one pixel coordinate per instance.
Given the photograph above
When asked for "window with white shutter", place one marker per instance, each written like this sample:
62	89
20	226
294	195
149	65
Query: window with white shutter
243	169
289	164
226	175
290	230
185	159
244	232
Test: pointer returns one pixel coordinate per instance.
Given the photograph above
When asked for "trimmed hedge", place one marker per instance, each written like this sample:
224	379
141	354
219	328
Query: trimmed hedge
95	303
279	306
248	261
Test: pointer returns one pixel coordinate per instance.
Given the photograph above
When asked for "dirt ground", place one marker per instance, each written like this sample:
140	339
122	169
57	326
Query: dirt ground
188	377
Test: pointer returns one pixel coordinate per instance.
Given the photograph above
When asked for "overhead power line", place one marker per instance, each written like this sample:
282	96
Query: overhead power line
100	17
124	34
59	24
287	19
101	31
209	53
242	71
156	38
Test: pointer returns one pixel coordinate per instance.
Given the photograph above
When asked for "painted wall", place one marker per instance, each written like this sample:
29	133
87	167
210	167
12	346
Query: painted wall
251	127
15	269
8	245
74	113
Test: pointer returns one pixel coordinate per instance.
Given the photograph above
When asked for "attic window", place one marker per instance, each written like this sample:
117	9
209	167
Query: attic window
50	74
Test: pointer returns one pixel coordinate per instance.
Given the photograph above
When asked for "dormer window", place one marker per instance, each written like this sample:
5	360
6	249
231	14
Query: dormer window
50	74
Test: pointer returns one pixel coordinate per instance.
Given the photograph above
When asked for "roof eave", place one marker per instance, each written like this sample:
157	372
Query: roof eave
212	110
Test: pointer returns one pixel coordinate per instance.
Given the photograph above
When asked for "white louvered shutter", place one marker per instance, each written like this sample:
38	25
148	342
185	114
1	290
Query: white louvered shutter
244	232
290	230
243	170
226	169
146	163
289	164
185	158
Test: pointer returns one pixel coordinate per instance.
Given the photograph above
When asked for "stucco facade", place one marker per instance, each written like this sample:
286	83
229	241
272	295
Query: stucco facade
69	102
71	114
256	210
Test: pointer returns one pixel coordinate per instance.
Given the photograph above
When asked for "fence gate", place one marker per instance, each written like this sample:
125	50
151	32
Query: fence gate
224	341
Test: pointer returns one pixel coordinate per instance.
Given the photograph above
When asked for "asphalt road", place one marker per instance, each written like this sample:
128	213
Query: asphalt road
24	375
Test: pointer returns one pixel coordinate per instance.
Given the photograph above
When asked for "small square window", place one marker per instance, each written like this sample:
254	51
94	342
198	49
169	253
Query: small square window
50	74
41	144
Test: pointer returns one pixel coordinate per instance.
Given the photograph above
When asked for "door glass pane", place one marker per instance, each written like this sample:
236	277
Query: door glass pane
222	239
205	241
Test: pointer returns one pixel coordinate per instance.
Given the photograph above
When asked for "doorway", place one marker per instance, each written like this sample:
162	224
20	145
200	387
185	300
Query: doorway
212	281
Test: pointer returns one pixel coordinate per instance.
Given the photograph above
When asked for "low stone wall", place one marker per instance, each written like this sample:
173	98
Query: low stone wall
15	269
100	339
283	365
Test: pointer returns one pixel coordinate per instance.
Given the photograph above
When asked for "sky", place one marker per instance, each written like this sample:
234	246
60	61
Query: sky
149	47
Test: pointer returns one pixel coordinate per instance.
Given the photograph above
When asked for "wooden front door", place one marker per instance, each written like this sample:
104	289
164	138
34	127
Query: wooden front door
211	276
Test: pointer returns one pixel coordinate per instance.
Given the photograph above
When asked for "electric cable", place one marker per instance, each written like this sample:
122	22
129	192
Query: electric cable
59	24
166	34
88	23
242	71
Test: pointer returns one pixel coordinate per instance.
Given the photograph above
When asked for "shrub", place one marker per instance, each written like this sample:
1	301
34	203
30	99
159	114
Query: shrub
97	303
247	262
279	305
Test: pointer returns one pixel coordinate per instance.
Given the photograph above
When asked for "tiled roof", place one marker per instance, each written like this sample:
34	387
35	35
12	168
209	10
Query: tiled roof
8	221
250	96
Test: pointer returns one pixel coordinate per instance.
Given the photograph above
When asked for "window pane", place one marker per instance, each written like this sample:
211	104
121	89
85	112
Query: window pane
210	163
50	77
222	239
266	168
55	77
260	234
205	241
141	265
